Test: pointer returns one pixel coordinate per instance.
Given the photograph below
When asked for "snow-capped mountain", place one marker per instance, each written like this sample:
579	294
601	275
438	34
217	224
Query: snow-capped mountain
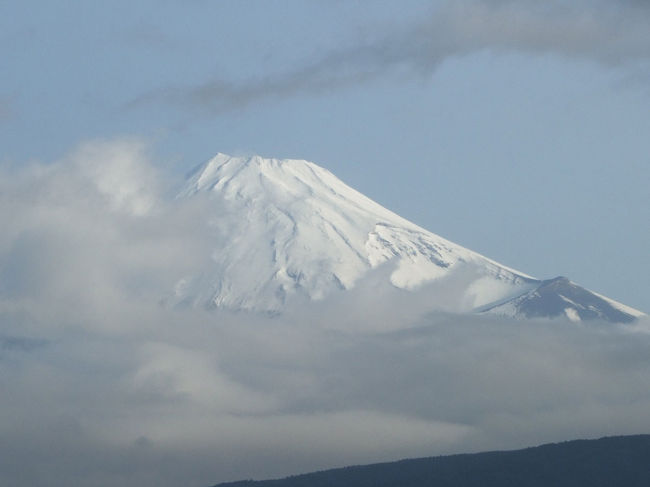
288	228
560	296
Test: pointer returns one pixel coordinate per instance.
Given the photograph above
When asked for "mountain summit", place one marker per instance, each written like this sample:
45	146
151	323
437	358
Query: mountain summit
288	228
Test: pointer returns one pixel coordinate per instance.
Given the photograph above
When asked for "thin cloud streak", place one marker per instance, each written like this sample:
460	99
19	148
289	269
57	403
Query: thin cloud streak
609	33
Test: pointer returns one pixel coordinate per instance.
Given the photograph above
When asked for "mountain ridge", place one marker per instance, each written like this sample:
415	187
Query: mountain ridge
615	460
287	227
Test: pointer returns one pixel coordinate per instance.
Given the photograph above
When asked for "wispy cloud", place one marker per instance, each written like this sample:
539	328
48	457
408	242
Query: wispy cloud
136	394
610	33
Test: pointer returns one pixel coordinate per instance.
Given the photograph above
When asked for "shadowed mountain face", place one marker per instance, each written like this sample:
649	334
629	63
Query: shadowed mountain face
287	229
617	461
561	297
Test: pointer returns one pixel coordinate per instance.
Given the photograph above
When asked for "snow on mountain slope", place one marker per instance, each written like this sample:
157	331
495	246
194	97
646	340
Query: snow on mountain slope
561	297
290	227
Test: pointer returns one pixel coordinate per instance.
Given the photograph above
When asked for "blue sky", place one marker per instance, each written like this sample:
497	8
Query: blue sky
517	129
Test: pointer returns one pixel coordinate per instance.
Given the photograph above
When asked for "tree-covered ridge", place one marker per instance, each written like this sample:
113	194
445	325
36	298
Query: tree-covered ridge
614	461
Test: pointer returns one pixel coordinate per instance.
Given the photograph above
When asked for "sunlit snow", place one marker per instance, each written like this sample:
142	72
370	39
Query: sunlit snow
289	227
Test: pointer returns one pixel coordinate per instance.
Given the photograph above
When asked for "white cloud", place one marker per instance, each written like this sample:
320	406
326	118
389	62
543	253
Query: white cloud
118	171
104	385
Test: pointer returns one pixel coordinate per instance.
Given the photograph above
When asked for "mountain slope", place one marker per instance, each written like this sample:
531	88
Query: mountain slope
621	460
289	228
560	297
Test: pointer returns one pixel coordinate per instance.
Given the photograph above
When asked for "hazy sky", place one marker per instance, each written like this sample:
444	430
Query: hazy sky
516	128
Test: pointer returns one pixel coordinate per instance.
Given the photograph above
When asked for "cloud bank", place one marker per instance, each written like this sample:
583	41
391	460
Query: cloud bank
103	384
606	32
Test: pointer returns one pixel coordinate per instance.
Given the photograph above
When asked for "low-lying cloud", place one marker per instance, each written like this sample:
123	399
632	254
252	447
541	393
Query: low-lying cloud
103	384
612	33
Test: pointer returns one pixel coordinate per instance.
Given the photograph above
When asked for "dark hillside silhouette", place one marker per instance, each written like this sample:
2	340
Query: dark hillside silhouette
615	461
